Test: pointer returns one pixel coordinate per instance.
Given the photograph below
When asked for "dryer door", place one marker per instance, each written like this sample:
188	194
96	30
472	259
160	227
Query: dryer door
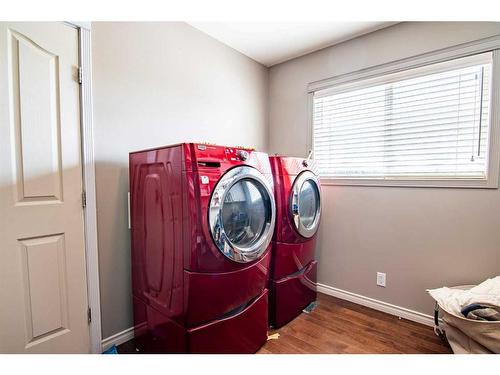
242	214
305	204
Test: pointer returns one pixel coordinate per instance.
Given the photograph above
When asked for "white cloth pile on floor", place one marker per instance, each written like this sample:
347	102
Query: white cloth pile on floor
467	335
454	300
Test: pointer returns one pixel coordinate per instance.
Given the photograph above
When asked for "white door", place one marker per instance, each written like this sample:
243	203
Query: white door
43	290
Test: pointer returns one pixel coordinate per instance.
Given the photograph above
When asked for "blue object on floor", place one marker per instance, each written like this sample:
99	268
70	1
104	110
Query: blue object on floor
111	350
309	308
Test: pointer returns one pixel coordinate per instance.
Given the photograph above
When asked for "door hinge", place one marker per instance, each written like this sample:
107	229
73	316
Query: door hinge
84	199
80	75
89	315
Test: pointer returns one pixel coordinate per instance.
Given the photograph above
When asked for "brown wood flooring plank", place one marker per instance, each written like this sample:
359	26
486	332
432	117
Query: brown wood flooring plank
339	326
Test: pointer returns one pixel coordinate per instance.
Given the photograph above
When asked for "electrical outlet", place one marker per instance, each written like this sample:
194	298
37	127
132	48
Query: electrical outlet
381	279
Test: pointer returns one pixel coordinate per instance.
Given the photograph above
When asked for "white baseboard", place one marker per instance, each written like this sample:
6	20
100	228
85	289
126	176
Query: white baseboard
388	308
117	338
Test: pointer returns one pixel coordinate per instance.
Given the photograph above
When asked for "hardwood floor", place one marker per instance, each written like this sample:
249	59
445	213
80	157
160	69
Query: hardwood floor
338	326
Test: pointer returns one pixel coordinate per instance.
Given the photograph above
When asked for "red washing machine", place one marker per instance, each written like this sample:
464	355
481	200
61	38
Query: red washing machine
202	220
298	210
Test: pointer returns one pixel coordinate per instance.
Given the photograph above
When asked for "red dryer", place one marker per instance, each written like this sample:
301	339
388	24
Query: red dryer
298	210
202	220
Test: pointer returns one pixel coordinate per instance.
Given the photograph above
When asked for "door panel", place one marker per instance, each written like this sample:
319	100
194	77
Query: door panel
35	82
42	272
44	284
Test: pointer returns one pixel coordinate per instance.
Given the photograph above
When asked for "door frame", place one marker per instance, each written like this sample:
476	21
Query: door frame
88	183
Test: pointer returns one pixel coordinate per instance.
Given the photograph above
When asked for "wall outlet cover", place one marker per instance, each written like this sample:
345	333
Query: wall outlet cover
381	279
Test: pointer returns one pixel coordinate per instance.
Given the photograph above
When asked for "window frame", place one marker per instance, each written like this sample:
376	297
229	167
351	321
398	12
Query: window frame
426	60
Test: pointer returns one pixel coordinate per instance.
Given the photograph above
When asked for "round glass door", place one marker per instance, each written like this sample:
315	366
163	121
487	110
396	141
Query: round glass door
242	214
305	204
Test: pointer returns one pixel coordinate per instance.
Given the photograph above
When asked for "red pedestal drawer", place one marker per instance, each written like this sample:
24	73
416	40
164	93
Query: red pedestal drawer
243	332
290	295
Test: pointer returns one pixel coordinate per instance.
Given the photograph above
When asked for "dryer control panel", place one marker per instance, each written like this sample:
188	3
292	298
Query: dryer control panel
213	158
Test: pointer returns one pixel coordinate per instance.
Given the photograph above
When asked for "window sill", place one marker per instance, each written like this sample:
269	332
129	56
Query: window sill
428	183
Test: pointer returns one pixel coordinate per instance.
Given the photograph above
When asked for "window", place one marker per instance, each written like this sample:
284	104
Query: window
430	123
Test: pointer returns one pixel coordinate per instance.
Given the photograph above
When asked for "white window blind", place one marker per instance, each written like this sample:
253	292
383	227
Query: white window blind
425	123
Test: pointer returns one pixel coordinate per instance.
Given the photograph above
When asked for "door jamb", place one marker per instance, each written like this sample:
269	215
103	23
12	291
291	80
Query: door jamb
88	175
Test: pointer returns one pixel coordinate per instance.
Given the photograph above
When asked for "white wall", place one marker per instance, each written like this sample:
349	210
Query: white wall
421	237
157	84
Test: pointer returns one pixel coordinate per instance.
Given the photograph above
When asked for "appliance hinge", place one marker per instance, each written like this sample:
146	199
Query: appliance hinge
84	199
80	75
89	315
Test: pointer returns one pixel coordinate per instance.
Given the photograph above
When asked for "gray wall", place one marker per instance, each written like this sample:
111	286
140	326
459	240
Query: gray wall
161	83
157	84
421	237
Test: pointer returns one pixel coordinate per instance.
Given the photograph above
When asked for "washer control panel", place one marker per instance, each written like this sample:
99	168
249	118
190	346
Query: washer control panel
236	154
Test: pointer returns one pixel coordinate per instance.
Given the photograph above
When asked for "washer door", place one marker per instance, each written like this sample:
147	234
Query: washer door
305	204
242	214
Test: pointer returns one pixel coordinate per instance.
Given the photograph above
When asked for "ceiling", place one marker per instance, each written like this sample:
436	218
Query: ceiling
271	43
